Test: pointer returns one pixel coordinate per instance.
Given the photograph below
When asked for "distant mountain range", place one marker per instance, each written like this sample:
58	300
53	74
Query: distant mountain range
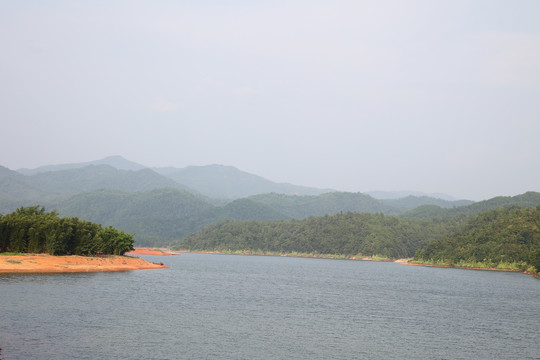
49	188
227	182
116	162
214	181
388	195
529	199
410	202
224	182
165	204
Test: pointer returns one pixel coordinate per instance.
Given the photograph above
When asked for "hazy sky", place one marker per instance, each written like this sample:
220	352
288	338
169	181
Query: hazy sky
435	96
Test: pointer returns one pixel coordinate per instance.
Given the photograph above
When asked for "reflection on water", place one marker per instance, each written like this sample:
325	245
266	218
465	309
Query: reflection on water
255	307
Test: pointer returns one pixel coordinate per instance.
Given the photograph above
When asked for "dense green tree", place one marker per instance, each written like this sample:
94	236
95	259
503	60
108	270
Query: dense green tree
34	230
116	241
347	234
503	236
17	238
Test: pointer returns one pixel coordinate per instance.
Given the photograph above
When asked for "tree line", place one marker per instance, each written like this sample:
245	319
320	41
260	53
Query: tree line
507	238
348	234
33	230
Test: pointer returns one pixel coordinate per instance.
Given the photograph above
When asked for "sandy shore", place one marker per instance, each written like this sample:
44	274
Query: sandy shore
152	251
43	263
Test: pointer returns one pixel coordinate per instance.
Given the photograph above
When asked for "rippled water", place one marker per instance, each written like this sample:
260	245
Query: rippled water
255	307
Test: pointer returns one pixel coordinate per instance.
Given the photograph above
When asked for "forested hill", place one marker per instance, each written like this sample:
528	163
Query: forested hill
411	202
156	216
529	199
400	194
299	207
15	191
161	215
507	238
114	206
344	234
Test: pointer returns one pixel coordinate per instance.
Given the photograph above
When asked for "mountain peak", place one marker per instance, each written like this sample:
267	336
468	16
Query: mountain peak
115	161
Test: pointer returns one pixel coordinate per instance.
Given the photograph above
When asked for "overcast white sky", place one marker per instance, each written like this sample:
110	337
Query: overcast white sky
434	96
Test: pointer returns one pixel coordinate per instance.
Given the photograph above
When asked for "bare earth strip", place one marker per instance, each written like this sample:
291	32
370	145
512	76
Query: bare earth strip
42	263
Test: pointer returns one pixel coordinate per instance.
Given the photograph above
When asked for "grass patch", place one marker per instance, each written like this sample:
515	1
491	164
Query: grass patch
13	261
502	265
439	262
380	257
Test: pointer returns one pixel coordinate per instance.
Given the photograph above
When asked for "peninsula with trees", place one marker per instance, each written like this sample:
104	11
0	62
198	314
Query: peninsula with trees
62	244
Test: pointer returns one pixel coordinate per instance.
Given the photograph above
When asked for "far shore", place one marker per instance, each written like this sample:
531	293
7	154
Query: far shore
403	261
409	262
44	263
293	254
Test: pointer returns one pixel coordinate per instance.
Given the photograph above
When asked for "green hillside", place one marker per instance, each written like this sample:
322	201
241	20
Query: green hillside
299	207
94	177
155	216
411	202
506	238
247	209
15	191
162	215
344	234
528	199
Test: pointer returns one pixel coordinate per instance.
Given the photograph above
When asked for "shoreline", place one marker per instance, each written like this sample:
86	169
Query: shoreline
152	251
403	261
407	262
293	254
44	263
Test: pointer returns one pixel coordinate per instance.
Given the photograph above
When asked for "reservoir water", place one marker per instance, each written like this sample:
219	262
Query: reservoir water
209	306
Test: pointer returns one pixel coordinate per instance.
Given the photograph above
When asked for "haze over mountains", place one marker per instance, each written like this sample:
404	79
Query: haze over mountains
215	181
387	195
164	204
117	162
219	181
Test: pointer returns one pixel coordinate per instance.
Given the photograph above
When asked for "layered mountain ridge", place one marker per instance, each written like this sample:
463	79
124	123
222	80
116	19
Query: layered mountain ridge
164	204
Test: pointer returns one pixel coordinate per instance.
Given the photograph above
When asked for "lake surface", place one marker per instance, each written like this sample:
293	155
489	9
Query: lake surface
209	306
